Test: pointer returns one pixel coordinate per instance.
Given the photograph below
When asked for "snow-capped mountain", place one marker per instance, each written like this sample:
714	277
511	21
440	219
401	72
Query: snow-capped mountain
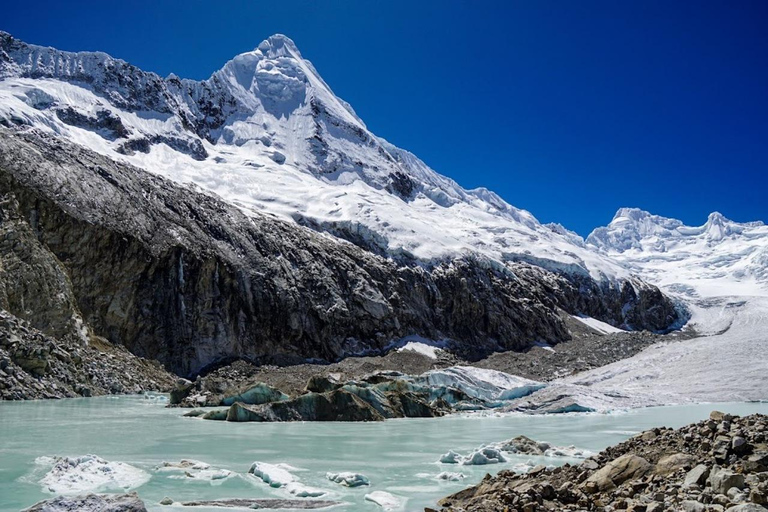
194	222
266	133
720	257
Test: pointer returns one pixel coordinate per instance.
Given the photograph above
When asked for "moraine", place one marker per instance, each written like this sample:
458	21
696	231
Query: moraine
399	457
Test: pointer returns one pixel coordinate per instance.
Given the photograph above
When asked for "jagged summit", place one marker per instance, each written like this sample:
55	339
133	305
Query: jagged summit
729	255
278	45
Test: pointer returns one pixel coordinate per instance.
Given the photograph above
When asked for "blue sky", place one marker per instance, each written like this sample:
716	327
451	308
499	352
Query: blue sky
568	109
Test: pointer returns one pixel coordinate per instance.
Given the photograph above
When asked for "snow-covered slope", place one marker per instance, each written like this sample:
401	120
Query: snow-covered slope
719	258
720	270
266	133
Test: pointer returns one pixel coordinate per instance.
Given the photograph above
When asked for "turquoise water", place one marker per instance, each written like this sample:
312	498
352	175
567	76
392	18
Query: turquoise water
398	456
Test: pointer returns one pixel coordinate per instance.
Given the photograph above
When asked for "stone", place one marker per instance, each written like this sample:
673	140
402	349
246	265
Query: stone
724	479
747	507
692	506
698	475
620	470
166	501
671	463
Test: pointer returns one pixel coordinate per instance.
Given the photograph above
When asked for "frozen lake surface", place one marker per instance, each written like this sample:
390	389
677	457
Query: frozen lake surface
398	456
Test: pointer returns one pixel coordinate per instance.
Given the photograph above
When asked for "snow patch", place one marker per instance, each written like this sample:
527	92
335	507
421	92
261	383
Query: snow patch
89	473
597	325
385	500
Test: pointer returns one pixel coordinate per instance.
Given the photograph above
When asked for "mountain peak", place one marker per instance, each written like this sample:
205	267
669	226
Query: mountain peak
278	45
634	214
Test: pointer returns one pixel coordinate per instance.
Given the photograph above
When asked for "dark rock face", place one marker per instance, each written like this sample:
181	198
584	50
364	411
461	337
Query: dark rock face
91	503
105	122
186	279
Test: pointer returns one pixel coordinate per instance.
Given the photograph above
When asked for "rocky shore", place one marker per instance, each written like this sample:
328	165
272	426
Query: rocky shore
719	464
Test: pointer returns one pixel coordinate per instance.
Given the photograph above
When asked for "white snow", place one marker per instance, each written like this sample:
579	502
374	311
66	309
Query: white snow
272	474
719	258
599	326
348	479
724	367
421	348
89	473
385	500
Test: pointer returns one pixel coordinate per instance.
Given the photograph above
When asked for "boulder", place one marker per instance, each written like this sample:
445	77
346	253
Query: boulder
724	479
526	445
671	463
696	476
618	471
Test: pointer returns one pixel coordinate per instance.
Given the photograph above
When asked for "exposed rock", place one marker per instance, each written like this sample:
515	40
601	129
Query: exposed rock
618	471
91	503
184	278
645	473
263	504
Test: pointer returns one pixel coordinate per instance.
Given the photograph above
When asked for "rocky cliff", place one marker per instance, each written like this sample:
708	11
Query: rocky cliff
183	277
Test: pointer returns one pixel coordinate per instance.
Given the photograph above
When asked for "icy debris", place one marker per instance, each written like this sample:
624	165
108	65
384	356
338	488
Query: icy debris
196	470
385	500
89	473
272	474
451	458
483	456
449	476
521	445
303	491
348	479
491	386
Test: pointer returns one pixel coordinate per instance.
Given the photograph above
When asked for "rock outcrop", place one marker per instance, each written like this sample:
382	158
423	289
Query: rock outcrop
189	280
715	465
91	503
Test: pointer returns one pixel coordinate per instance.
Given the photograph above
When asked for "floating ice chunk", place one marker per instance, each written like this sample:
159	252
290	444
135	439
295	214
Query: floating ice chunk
303	491
272	474
451	477
568	451
348	479
483	456
196	470
184	464
451	458
89	473
385	500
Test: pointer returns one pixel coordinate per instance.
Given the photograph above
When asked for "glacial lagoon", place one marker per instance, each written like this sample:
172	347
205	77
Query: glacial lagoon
398	456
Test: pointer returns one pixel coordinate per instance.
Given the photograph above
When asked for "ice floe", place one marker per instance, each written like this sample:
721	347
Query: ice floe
449	476
348	479
273	474
89	473
520	445
195	470
385	500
